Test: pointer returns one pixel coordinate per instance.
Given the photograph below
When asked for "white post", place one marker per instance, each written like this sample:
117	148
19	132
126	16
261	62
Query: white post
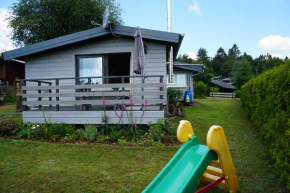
168	16
171	48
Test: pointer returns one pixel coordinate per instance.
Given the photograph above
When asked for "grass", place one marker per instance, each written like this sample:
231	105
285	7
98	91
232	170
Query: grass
46	167
254	174
8	111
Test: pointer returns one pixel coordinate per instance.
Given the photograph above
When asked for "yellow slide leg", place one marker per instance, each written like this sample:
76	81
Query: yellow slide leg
216	141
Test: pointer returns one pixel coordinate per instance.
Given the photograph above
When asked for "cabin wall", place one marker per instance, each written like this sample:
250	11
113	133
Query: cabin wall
62	63
183	88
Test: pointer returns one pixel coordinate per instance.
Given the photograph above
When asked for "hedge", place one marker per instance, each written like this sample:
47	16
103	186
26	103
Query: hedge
266	100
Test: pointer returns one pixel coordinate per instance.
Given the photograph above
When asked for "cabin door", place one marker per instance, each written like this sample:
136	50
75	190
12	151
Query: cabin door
118	65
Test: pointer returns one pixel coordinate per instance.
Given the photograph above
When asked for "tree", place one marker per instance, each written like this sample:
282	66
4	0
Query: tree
234	52
273	62
243	72
203	57
206	76
228	66
286	59
34	21
218	60
185	58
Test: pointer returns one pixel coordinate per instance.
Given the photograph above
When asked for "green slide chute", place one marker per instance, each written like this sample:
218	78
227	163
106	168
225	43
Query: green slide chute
184	170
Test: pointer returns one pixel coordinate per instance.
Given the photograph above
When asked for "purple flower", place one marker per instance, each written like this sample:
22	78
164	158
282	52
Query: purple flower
124	106
143	112
130	99
116	114
121	115
145	104
104	101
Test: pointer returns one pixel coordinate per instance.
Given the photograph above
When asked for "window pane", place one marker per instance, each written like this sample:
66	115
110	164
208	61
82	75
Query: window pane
180	79
91	67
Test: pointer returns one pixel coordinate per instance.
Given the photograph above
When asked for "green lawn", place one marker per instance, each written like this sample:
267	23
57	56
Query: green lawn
46	167
8	111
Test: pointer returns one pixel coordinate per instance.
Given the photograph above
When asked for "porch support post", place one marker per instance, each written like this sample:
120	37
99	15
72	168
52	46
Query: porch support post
90	98
39	98
23	83
50	98
161	89
143	81
57	91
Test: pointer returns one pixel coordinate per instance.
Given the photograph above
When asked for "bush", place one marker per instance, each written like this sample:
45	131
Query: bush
200	89
115	135
8	127
266	101
90	133
158	129
9	98
174	95
59	129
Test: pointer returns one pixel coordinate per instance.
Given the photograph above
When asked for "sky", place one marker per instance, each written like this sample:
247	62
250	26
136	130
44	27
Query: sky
256	26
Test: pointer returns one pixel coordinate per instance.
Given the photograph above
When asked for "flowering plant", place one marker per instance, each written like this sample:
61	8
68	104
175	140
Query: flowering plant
131	120
7	127
105	118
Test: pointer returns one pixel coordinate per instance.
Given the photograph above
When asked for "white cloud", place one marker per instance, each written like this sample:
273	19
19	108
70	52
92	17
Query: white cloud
277	56
5	42
194	8
275	43
288	56
191	55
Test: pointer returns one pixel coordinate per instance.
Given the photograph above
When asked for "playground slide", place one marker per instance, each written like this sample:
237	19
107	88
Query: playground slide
184	170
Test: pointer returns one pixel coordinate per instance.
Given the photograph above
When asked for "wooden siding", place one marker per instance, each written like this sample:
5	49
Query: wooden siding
62	64
88	117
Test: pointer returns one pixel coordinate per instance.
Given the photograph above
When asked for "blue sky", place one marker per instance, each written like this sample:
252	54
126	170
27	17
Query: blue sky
256	26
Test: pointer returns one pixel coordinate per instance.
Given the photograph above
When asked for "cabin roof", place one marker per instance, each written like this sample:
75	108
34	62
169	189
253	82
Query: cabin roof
172	39
222	84
191	67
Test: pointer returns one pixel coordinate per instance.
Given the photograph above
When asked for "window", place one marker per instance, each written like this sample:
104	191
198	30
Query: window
180	79
90	66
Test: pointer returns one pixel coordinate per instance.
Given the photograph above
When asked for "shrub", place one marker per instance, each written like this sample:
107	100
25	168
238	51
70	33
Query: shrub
8	127
267	103
158	129
70	129
9	98
26	131
115	135
174	95
59	129
200	89
90	133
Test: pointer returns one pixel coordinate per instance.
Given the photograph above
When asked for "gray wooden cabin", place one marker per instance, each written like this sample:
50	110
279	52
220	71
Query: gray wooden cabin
67	77
183	76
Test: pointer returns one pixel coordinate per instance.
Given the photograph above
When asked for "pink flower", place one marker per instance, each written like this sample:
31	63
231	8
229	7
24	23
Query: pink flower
145	104
104	101
143	113
121	116
124	106
116	114
130	99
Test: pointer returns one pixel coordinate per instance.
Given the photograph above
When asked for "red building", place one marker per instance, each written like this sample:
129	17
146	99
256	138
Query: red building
11	69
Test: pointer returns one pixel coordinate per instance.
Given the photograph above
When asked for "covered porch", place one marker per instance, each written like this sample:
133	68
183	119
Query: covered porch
82	100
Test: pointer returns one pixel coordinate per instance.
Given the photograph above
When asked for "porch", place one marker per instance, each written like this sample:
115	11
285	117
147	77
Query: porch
78	100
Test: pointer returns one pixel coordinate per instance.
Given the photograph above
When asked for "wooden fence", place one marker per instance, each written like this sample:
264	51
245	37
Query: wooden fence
222	95
51	93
